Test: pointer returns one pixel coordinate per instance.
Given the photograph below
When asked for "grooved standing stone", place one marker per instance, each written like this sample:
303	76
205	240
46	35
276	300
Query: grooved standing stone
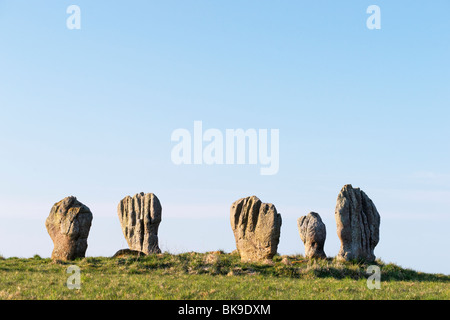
68	225
358	224
313	233
140	217
256	227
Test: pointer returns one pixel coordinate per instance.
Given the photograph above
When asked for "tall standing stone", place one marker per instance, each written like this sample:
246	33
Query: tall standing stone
68	225
313	234
256	227
358	224
140	217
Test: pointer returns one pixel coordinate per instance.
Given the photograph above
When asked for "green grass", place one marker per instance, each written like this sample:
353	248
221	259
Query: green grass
213	276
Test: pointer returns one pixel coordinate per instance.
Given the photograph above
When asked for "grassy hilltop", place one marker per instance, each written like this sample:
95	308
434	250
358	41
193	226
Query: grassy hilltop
214	275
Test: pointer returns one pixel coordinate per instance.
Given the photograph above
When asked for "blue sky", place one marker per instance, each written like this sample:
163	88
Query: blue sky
90	113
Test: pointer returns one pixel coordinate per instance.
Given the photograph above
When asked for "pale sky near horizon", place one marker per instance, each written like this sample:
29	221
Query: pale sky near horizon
90	113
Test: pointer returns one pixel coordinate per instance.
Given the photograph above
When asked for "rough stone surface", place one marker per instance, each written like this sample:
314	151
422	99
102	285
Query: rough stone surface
68	225
256	227
128	253
358	224
140	217
313	234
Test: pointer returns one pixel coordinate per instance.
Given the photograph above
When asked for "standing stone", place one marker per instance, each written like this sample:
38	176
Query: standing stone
313	233
256	227
358	224
68	225
140	217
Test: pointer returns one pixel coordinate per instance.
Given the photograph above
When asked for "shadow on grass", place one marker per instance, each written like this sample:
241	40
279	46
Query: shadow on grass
359	270
329	268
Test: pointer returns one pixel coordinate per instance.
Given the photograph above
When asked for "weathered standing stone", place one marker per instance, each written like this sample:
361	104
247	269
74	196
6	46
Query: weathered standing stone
358	224
140	217
313	233
68	225
256	227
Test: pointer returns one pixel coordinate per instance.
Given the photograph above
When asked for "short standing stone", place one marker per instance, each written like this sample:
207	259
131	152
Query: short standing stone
128	253
140	217
256	227
358	224
313	234
68	225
